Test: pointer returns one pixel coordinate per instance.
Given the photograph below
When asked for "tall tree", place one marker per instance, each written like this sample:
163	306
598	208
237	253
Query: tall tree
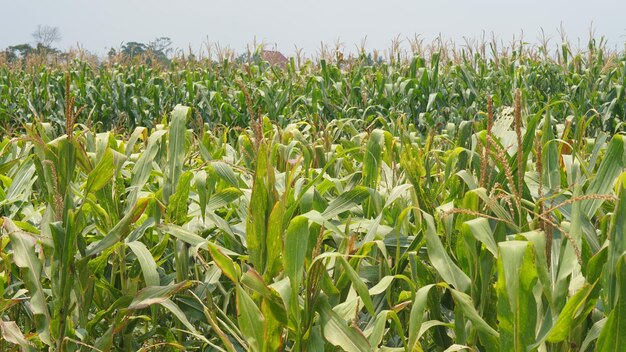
132	49
44	36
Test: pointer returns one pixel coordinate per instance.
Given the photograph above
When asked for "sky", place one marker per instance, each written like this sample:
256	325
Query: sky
100	25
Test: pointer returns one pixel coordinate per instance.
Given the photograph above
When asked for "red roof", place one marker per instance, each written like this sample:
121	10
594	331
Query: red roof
274	57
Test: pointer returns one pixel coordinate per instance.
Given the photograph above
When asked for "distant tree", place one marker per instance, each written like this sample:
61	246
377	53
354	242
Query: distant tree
245	57
162	45
132	49
18	52
44	36
8	55
22	50
161	49
158	49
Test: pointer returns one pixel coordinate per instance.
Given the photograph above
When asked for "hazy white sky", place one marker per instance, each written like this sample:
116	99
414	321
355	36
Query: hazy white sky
99	25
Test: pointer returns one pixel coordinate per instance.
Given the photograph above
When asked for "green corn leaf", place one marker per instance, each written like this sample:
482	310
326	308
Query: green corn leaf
466	305
345	202
176	149
229	268
12	334
143	167
226	173
22	181
146	261
372	164
251	321
274	245
612	337
223	198
339	333
191	238
101	175
180	315
592	334
134	137
550	158
121	229
200	179
481	230
577	307
440	259
359	286
256	223
25	258
177	207
296	242
617	246
610	168
156	295
416	316
517	311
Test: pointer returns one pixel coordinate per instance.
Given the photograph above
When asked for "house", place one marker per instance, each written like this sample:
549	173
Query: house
274	57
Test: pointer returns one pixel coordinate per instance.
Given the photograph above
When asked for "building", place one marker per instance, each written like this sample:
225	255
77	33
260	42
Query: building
274	57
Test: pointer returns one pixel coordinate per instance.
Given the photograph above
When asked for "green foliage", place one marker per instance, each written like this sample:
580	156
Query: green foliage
344	219
449	87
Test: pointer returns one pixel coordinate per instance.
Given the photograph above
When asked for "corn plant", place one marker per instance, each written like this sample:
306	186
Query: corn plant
317	226
448	85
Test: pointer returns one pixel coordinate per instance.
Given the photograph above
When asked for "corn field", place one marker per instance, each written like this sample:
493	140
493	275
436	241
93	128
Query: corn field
431	89
466	203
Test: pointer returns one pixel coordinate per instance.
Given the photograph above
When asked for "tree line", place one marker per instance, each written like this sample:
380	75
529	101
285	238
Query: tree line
45	37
